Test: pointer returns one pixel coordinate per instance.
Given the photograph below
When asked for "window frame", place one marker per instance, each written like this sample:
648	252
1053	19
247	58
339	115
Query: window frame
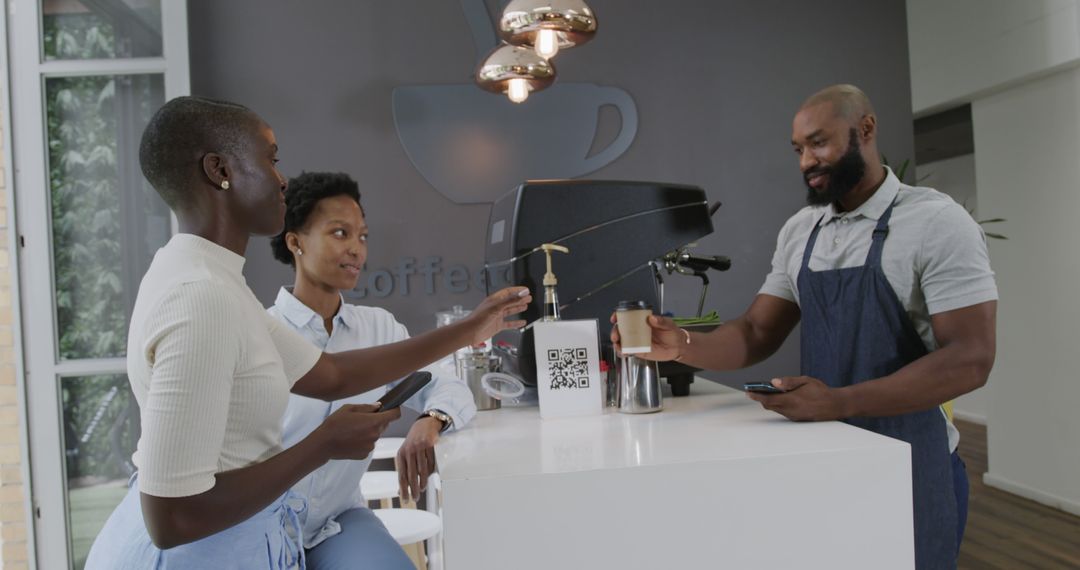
39	370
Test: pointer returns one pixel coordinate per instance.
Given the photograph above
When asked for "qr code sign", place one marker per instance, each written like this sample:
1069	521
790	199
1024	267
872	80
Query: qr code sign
568	367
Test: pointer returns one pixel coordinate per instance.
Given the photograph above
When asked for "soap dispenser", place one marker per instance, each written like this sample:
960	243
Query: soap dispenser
551	296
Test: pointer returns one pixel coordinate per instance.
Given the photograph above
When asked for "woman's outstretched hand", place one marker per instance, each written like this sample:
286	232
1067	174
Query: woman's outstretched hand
490	316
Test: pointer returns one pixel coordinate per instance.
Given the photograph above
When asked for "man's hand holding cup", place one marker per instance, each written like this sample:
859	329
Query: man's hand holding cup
645	335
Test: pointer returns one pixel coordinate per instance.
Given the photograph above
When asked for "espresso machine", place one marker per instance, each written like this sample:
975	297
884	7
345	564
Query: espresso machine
621	234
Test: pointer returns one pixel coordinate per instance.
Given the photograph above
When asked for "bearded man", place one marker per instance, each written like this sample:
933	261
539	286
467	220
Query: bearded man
893	287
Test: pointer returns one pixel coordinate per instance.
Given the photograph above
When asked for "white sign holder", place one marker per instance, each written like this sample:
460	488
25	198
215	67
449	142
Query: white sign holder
568	376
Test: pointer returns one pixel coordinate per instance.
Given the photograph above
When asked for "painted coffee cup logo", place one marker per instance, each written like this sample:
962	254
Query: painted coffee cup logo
473	147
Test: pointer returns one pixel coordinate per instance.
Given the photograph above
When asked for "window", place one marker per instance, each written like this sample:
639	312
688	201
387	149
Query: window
88	76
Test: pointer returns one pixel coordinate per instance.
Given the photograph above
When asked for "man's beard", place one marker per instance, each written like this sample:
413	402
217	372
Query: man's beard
843	176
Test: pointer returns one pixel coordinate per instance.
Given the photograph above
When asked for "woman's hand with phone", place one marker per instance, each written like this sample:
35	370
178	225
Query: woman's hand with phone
351	431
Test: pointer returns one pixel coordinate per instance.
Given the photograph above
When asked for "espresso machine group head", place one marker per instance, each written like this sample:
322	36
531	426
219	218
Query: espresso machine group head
613	229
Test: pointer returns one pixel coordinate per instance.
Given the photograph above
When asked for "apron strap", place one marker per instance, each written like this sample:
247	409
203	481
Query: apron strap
877	243
810	243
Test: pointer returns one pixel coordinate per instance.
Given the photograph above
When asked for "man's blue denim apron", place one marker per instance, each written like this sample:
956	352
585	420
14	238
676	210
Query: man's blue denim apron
854	329
264	541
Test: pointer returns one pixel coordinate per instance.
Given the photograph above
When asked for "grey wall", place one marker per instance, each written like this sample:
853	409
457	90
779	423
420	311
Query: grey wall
715	84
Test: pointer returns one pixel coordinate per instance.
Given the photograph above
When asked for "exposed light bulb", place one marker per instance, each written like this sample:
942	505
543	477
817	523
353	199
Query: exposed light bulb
547	44
518	90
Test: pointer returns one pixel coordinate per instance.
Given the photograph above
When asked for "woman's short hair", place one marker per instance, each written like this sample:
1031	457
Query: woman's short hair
301	197
181	133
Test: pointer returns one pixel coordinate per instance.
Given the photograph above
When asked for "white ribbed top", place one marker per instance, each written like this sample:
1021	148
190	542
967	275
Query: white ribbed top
211	371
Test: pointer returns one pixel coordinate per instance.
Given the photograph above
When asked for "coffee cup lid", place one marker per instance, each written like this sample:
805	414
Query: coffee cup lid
633	305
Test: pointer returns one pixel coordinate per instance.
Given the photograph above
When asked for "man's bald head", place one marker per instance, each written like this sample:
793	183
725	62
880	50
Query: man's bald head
848	102
835	136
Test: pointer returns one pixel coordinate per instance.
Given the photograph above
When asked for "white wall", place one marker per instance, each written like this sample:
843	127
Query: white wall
956	177
965	48
1016	63
1027	142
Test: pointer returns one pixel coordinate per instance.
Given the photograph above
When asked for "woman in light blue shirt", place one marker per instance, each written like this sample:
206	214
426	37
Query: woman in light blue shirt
325	241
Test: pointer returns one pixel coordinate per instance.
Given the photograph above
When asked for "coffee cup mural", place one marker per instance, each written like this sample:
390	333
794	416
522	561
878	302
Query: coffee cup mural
473	147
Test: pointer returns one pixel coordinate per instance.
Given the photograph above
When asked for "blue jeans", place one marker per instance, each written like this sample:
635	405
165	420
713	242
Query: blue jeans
363	543
262	542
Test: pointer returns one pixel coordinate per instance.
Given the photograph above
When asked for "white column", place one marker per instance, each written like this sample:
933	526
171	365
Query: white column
1027	160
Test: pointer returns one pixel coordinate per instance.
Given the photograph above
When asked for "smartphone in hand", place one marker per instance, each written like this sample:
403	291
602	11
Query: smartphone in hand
762	388
404	390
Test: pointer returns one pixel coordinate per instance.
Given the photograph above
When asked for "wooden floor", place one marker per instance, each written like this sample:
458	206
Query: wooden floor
1006	531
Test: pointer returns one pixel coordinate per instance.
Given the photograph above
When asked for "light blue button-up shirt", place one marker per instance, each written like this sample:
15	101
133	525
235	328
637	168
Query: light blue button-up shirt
335	487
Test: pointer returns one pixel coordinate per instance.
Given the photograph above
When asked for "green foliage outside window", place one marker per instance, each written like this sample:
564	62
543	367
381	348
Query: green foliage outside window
77	36
101	428
93	126
86	217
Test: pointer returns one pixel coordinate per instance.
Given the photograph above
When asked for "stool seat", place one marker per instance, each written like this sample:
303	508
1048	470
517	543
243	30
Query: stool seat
377	485
409	526
387	447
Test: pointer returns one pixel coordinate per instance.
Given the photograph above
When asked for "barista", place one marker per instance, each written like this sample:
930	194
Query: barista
892	284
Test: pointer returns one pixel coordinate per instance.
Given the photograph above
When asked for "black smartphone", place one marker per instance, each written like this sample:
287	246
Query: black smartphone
762	388
404	390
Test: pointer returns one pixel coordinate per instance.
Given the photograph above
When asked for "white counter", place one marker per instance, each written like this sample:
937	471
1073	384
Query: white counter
713	480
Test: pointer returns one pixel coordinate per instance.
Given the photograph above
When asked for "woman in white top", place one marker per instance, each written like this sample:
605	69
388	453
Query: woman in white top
325	240
211	371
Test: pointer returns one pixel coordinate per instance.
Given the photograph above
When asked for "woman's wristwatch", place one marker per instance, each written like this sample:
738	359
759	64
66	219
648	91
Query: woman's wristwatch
442	416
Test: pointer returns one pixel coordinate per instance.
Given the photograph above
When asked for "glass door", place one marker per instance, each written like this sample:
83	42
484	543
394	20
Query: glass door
87	76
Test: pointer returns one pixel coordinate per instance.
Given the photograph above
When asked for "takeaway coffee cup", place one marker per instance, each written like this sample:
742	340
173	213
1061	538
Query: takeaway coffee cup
634	332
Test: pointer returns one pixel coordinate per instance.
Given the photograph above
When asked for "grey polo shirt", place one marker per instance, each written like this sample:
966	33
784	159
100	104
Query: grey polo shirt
934	257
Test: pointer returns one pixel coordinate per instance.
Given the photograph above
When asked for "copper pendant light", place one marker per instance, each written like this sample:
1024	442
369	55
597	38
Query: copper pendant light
515	71
547	25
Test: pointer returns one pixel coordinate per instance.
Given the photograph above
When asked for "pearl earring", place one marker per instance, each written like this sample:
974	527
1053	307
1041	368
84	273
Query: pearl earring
224	184
299	251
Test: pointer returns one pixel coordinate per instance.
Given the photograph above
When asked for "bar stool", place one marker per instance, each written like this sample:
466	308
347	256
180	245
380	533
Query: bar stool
387	447
410	528
433	501
380	486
